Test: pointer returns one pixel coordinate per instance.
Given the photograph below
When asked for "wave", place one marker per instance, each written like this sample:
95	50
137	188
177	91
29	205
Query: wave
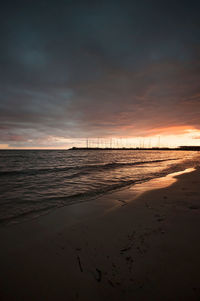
84	168
45	204
57	202
33	213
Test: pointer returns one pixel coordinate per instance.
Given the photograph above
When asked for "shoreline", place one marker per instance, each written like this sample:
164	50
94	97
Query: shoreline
142	245
105	200
180	148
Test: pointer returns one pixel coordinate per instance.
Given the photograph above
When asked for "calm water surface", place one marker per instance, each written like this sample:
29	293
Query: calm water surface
35	182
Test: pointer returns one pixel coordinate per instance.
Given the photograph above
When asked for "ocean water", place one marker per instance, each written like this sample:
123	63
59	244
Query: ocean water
33	183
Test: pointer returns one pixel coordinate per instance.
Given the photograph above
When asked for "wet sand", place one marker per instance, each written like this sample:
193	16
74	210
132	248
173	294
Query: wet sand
142	243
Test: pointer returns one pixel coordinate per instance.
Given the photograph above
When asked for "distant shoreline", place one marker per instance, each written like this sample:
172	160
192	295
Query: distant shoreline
181	148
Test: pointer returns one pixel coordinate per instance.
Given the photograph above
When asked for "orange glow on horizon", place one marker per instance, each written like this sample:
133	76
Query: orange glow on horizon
163	137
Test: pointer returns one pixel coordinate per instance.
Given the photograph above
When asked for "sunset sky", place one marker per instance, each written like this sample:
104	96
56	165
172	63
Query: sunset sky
71	70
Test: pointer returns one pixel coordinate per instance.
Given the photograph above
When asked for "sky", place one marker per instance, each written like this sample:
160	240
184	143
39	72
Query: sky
71	70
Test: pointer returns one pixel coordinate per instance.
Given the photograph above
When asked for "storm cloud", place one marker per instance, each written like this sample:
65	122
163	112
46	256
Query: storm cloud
76	69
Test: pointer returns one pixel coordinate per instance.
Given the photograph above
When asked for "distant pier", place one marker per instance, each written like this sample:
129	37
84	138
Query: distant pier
180	148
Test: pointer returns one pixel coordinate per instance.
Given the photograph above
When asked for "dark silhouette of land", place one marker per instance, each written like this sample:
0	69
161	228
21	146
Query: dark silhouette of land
180	148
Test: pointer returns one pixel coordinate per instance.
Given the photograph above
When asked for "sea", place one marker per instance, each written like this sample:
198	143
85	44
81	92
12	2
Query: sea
35	182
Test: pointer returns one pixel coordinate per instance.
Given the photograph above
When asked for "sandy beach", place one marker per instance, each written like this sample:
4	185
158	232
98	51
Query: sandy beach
138	244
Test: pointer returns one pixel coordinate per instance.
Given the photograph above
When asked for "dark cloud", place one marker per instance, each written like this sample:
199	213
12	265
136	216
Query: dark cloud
74	69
